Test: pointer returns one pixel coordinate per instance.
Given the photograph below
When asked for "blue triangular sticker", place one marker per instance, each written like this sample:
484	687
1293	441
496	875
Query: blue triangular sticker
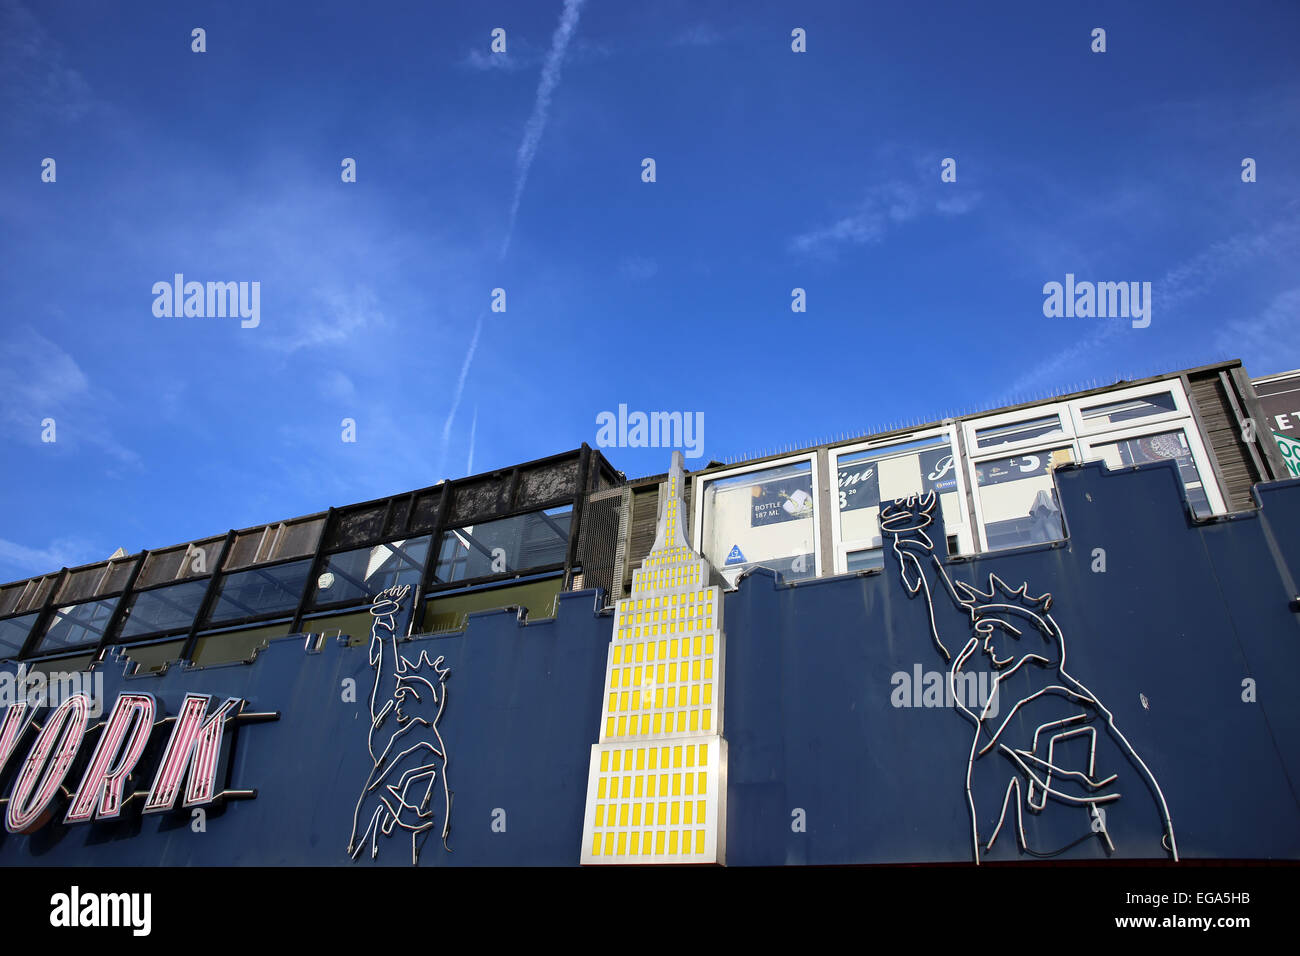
735	557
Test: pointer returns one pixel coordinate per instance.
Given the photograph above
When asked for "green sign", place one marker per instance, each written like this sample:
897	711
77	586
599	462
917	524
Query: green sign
1291	452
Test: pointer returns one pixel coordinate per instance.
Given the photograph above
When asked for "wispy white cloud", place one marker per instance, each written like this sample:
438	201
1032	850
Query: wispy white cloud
536	124
338	318
19	561
637	268
35	77
473	433
1268	341
42	381
338	386
701	34
518	56
1224	258
1259	337
884	207
460	390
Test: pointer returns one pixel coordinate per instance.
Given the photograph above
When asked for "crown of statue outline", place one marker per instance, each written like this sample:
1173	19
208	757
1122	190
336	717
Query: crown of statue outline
1003	620
413	760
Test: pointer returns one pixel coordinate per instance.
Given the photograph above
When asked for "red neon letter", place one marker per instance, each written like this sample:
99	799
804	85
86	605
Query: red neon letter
193	748
68	725
125	734
11	730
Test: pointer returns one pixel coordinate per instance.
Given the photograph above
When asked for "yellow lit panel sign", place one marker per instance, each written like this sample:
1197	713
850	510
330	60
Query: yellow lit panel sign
656	788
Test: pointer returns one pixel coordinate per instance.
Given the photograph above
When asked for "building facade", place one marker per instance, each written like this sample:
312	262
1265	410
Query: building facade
1061	630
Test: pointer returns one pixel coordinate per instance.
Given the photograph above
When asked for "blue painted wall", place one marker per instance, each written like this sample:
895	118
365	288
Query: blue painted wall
1183	614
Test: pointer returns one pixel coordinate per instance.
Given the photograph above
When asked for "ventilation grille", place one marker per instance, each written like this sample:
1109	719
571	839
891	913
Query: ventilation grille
600	542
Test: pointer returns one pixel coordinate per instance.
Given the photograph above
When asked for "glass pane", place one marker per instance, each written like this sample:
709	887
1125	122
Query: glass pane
895	472
260	591
1117	413
866	560
361	574
509	544
763	518
1018	498
164	609
77	624
1018	431
1165	445
13	633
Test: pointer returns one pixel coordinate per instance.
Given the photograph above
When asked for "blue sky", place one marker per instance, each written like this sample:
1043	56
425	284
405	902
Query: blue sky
775	170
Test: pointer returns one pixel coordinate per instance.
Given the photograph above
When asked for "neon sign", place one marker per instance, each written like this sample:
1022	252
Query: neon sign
1022	641
197	749
407	767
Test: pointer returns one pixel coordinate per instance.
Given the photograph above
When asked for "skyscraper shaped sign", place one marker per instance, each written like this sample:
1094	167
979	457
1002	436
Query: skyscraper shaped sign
656	787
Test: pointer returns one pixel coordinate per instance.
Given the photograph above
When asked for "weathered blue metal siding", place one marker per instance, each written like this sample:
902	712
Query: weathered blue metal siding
1182	615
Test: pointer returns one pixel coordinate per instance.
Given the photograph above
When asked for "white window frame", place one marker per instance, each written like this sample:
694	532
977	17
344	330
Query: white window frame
1021	452
1010	449
1081	440
1182	410
840	547
1199	456
699	485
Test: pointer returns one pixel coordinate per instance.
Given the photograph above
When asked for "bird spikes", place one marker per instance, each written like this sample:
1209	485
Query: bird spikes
1000	592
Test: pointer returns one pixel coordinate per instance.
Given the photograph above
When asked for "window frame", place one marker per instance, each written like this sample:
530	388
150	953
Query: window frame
56	616
1182	409
311	607
1045	447
699	487
116	638
437	536
205	621
1200	457
1012	449
840	547
1081	438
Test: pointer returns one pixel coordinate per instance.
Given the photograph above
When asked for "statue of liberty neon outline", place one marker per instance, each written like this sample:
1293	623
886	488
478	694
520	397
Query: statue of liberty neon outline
992	614
397	805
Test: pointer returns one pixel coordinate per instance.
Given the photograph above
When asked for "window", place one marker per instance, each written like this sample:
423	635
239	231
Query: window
1130	426
867	477
170	608
1016	432
531	540
13	634
184	561
357	576
1159	447
76	625
1127	411
260	592
1017	498
766	517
